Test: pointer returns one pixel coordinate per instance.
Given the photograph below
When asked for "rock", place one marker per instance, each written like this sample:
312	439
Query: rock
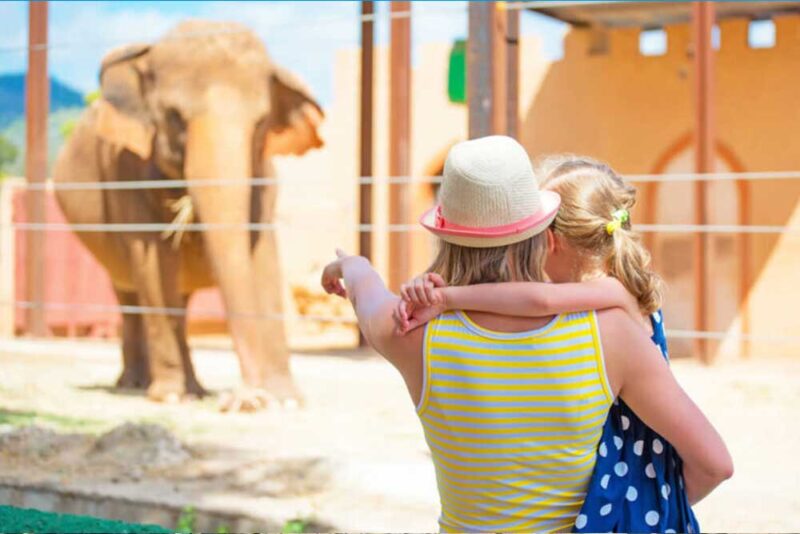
140	446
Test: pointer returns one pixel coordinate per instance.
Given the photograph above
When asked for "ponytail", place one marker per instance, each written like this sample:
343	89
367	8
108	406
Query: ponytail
629	262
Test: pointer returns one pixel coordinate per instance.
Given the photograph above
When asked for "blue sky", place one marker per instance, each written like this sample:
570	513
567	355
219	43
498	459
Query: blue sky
302	36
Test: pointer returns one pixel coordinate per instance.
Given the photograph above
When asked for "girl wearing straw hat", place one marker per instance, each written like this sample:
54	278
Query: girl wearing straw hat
513	407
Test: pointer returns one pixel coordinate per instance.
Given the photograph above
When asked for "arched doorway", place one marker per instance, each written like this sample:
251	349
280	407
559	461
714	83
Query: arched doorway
674	203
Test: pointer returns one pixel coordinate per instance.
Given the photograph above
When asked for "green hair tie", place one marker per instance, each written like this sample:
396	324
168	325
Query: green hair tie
619	217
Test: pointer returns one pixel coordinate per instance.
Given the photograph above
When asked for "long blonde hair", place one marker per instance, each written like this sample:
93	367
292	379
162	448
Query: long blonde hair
590	193
518	262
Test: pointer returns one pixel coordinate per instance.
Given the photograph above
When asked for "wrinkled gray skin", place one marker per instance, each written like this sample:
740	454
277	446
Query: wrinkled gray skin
192	106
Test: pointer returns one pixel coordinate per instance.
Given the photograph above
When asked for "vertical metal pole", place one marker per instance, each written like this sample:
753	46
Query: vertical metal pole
36	107
399	140
365	132
479	69
512	72
499	101
743	219
703	22
487	69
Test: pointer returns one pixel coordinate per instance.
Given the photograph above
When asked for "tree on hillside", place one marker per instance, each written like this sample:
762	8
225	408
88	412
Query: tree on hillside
8	154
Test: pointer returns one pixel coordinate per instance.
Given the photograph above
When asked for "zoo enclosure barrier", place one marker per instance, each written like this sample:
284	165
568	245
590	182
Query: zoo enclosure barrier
10	301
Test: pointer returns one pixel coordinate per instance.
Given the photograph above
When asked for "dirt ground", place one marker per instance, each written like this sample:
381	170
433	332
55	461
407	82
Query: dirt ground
353	458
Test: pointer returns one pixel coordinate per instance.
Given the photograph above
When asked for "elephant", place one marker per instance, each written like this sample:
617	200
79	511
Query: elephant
203	103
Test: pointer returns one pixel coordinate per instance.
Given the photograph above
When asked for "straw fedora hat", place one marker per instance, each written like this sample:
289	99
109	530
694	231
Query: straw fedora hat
490	196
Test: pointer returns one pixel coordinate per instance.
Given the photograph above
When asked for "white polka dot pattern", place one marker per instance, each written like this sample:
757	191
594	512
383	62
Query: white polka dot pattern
651	518
621	469
626	422
658	447
650	471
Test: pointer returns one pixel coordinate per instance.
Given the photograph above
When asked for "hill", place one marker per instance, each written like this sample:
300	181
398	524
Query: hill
12	97
15	133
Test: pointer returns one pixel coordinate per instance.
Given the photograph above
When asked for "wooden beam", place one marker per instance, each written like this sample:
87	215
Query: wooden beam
743	219
399	140
512	72
704	139
365	131
37	102
487	74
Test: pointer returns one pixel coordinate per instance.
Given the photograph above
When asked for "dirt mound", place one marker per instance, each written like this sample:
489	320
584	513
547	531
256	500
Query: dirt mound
38	442
128	451
144	445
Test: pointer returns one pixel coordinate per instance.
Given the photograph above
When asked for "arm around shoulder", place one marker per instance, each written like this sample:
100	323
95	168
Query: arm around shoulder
641	376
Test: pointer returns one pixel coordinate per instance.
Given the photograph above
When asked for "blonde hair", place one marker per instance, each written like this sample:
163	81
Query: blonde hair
590	193
518	262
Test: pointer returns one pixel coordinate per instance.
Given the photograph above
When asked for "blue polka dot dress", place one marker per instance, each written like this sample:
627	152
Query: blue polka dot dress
637	483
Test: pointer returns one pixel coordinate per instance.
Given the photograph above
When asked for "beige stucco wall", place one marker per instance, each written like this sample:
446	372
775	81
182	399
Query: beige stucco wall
634	112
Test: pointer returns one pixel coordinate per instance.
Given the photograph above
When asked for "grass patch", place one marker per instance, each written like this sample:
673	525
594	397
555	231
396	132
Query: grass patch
63	423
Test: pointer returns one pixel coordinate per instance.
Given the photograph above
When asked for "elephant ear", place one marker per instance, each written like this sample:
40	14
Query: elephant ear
123	117
294	116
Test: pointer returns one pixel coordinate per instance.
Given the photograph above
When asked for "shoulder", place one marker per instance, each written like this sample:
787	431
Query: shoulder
401	350
620	337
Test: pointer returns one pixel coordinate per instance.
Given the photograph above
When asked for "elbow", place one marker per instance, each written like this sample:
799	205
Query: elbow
540	302
722	468
725	470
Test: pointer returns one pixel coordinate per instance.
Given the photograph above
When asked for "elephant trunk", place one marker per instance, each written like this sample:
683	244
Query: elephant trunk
218	147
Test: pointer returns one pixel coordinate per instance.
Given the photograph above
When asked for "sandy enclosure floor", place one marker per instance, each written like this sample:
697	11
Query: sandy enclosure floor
354	457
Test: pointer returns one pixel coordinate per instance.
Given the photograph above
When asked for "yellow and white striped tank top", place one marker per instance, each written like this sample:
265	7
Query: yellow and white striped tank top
513	421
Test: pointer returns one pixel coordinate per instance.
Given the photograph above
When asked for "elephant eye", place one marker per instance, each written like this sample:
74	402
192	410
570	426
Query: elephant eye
174	119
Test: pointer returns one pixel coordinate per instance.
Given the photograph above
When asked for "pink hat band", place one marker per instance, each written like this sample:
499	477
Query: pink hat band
446	227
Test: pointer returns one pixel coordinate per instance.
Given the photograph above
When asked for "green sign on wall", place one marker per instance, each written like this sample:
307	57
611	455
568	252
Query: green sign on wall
457	73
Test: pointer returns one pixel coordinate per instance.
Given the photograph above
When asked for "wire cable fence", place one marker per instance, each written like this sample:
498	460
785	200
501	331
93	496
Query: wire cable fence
132	186
208	313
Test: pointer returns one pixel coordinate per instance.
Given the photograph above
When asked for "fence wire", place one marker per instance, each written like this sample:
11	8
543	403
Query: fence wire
50	185
216	314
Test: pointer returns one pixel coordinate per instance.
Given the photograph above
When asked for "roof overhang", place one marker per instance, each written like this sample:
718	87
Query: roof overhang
621	14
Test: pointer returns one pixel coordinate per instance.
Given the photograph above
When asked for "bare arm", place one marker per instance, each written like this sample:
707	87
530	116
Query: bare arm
373	304
539	299
641	376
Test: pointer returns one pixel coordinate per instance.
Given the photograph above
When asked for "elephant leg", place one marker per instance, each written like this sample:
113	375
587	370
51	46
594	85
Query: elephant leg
193	386
155	272
275	373
135	367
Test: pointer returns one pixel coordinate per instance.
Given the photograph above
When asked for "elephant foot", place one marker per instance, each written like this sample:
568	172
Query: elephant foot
245	399
130	379
195	390
283	388
253	399
167	392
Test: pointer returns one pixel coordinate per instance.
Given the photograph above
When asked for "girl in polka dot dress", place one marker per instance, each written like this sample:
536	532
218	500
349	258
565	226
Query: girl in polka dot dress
637	484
